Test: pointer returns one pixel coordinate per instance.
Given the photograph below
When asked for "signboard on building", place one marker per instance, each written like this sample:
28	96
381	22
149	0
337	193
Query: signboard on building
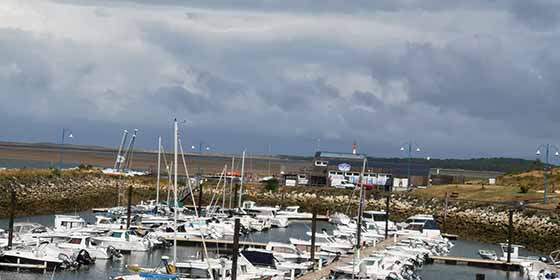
344	167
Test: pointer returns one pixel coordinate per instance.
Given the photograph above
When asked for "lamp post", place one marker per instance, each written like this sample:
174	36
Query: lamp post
546	148
408	147
65	133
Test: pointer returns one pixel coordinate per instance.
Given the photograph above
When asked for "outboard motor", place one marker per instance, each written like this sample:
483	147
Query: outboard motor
83	258
67	262
392	276
112	252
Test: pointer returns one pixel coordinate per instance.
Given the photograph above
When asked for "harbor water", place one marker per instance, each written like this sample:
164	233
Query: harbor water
105	269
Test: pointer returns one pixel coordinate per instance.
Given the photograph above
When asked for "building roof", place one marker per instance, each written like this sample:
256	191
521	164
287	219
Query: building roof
339	155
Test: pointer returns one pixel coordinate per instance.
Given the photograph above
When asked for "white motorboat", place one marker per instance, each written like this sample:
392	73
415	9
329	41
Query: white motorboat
76	243
279	222
267	216
292	212
29	232
184	231
123	240
44	256
514	255
200	270
339	219
488	254
4	239
378	218
266	258
369	268
69	224
420	225
326	242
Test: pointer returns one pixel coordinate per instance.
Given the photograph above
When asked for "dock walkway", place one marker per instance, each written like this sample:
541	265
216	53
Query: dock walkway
475	262
366	251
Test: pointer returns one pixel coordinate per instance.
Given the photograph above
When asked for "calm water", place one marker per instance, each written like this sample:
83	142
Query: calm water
106	269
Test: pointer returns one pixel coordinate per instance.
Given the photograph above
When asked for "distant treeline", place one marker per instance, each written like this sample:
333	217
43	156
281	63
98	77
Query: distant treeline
506	165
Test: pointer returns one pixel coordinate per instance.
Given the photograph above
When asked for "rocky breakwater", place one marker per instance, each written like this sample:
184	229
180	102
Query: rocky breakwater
48	192
535	229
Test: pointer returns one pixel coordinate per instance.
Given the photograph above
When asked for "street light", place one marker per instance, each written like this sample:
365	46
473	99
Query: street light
546	148
409	146
65	133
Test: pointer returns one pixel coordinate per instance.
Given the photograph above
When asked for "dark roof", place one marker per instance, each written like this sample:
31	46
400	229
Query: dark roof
401	168
339	155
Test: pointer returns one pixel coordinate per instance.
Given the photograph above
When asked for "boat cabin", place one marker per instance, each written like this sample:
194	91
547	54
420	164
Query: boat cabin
376	216
514	253
66	222
22	228
282	248
251	208
291	209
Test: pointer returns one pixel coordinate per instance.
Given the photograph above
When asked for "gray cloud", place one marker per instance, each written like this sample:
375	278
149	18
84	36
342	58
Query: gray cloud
538	14
461	78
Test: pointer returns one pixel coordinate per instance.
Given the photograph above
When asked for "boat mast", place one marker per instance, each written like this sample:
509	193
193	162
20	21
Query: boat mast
197	214
225	187
118	159
158	170
242	175
360	213
231	180
175	192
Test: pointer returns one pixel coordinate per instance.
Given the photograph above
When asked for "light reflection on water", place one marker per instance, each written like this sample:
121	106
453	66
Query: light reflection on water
106	269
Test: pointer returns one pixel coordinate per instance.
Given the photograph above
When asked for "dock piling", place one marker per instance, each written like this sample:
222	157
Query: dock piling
387	216
12	215
235	249
129	207
510	235
313	231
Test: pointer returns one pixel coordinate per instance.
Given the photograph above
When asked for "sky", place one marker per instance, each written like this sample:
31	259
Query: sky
461	79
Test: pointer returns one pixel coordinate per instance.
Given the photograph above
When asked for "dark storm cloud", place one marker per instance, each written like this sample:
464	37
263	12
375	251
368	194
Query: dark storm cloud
449	74
538	14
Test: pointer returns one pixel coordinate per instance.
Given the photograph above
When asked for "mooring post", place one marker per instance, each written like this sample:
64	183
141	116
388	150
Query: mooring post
313	231
445	212
235	249
387	215
12	215
235	194
129	208
510	235
200	199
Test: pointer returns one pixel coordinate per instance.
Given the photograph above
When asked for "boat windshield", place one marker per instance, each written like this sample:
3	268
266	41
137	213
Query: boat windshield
415	226
375	216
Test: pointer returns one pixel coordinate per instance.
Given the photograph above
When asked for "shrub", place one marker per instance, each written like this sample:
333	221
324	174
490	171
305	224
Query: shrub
271	185
524	189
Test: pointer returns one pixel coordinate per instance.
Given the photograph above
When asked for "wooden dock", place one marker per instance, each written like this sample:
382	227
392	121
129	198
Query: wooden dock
475	262
366	251
19	266
212	243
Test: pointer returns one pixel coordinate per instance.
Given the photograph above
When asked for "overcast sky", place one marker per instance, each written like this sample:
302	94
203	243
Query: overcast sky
461	78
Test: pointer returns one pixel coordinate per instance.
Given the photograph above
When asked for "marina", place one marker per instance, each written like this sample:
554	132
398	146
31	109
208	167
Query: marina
279	140
259	239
